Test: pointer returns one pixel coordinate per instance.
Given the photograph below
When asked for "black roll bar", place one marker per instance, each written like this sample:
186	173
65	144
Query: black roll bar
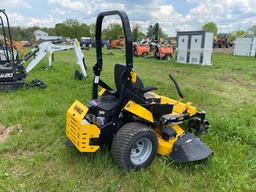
128	46
9	33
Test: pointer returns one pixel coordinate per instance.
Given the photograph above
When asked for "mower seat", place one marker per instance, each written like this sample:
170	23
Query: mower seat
138	87
119	73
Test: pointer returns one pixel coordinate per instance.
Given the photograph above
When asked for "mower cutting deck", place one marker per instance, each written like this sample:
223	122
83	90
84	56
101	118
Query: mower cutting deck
136	122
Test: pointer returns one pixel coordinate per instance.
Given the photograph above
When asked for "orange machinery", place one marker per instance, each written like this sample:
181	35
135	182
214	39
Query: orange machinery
141	50
117	43
164	51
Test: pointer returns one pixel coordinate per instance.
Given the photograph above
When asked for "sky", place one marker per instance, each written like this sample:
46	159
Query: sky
172	15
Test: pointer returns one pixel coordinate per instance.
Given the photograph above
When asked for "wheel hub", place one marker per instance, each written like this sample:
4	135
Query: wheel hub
141	151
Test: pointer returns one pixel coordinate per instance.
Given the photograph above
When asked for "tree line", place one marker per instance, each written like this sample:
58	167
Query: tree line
74	29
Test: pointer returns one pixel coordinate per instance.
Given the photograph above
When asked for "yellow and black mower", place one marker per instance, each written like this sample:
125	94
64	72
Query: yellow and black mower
133	120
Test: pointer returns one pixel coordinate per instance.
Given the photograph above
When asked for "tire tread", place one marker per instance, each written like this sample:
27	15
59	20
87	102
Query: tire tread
123	139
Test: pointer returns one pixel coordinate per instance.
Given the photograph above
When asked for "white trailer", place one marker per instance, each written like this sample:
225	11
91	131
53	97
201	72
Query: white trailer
194	47
245	46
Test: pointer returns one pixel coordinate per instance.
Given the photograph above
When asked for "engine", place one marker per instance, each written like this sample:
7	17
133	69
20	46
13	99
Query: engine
100	110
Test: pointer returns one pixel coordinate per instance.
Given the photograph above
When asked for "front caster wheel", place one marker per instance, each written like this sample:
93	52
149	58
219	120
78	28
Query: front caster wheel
134	146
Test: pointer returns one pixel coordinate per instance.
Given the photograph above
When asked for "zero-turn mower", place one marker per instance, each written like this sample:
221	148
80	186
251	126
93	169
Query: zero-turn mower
135	121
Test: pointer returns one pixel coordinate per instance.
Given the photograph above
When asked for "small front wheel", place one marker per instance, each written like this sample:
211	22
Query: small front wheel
134	146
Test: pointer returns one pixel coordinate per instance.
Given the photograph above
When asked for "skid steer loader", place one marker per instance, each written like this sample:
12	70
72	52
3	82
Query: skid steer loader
136	122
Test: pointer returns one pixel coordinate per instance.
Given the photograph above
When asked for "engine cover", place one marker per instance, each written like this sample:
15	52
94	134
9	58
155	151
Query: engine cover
102	106
9	73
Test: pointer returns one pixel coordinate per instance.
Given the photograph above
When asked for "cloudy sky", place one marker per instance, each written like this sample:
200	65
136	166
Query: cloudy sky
172	15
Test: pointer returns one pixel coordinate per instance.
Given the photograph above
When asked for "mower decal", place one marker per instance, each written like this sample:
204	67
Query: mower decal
78	110
134	77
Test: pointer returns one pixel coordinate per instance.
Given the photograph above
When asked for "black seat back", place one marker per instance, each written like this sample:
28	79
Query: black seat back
119	74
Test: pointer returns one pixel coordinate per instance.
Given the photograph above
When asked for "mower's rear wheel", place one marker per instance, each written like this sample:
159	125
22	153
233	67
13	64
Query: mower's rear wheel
134	146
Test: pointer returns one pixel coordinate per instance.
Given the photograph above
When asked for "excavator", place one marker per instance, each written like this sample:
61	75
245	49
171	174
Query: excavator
12	68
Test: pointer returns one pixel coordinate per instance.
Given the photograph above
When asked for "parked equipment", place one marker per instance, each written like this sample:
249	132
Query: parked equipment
117	43
12	69
135	121
245	46
164	51
194	47
141	49
18	45
222	41
86	42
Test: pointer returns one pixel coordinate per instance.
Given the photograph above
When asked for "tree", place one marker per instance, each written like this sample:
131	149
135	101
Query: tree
73	29
252	29
150	32
136	33
155	32
113	31
84	31
232	36
62	29
211	26
92	30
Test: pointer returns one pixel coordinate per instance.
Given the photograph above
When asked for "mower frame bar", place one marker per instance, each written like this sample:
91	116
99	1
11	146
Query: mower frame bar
128	47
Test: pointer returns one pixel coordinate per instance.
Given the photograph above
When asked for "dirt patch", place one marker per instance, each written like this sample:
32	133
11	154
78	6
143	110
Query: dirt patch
6	131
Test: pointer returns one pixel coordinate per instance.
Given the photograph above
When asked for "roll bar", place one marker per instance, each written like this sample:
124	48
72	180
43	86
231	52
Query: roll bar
128	46
4	34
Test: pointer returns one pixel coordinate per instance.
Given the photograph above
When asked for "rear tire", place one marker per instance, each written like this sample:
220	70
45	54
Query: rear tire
144	55
134	146
135	53
168	57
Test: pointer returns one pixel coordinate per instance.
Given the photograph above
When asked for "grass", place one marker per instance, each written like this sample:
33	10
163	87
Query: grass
34	158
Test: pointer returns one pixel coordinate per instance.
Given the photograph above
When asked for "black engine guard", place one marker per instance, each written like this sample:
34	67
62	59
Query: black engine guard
189	148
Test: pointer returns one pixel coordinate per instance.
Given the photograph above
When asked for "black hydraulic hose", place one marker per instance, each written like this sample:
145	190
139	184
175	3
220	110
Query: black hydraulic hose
176	85
30	54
